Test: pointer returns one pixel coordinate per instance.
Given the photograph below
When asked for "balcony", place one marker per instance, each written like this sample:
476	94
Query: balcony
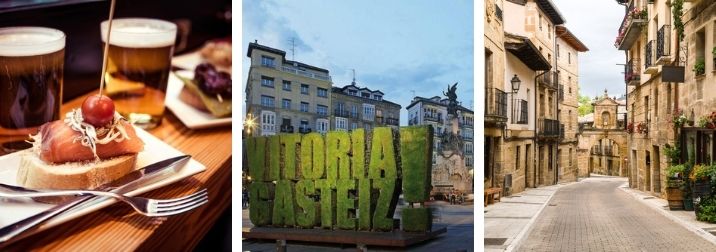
433	118
650	66
379	119
301	72
286	129
632	73
341	113
663	45
548	128
630	29
596	150
495	106
550	79
392	121
520	114
304	130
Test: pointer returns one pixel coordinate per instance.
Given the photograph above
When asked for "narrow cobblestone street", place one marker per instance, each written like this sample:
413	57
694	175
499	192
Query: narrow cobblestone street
595	215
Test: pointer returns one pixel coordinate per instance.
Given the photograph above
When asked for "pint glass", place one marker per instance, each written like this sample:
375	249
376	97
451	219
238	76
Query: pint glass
139	61
31	63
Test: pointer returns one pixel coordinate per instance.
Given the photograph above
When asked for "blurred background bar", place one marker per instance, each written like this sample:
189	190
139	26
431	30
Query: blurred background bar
197	21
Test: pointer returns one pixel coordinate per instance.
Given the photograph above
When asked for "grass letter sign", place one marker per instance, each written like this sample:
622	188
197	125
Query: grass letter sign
341	180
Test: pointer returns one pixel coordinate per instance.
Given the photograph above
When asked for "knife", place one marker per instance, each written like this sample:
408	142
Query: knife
130	182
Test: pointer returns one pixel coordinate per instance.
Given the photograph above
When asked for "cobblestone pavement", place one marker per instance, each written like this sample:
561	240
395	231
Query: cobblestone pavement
595	215
459	236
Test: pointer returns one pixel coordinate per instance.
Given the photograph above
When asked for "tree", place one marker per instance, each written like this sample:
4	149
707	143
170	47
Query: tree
585	105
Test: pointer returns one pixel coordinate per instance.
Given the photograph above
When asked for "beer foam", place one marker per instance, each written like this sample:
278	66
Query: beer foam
30	41
140	33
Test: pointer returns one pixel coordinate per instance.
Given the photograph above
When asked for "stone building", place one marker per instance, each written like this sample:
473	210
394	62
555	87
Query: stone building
567	56
603	139
356	107
433	111
285	95
648	40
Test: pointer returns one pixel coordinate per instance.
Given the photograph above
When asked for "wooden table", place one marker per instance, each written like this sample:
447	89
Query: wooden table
119	228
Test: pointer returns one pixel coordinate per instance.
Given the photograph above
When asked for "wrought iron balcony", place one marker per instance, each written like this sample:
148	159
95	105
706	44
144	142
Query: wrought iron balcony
550	79
520	114
632	72
433	118
650	57
548	127
596	150
304	130
495	105
341	113
630	29
286	129
392	121
663	44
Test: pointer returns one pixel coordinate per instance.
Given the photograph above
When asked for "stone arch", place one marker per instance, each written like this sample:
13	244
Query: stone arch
616	163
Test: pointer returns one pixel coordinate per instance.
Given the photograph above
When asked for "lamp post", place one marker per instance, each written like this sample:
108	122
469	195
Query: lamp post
249	124
515	88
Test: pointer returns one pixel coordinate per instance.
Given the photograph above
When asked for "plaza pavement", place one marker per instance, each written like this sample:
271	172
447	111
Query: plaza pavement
459	236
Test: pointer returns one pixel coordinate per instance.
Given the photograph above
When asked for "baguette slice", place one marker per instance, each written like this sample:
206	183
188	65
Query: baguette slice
35	173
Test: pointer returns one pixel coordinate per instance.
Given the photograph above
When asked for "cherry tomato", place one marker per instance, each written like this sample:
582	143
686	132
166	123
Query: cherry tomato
98	110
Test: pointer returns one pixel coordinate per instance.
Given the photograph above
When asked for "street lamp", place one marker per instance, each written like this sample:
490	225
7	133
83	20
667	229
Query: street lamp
249	123
515	84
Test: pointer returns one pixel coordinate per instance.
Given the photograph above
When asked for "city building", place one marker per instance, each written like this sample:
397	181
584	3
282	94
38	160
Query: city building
359	107
433	111
567	56
649	42
602	138
285	96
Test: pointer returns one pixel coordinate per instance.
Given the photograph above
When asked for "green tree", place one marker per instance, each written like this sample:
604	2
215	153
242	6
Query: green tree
585	105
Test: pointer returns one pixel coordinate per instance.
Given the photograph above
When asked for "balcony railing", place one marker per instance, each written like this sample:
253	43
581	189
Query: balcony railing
551	79
520	114
341	113
304	130
548	127
293	70
596	150
632	72
495	104
392	121
663	43
286	129
433	118
630	29
649	56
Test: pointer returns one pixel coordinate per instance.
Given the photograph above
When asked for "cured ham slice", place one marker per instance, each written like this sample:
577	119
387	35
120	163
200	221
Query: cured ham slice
60	145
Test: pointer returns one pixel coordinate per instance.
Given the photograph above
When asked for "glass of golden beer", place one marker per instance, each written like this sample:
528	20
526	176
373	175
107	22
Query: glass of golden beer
31	62
139	61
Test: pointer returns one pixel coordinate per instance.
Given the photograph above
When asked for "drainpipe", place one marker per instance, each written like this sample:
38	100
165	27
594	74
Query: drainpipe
534	138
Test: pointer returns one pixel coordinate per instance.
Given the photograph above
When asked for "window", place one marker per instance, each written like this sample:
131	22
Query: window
368	112
266	81
286	104
352	92
340	123
365	95
267	101
321	110
539	18
287	85
468	148
570	156
569	57
549	31
304	106
354	126
647	118
354	111
267	61
557	53
569	119
517	158
304	126
322	92
378	97
322	125
268	123
304	89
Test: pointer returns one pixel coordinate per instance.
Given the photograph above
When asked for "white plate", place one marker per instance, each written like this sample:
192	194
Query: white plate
190	116
155	150
187	61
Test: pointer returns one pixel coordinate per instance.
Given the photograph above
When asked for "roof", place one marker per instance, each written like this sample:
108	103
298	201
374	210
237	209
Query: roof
256	45
551	10
419	99
586	118
340	90
527	52
569	37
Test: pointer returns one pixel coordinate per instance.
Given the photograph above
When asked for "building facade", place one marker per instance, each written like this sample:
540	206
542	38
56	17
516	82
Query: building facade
602	138
286	96
649	42
356	107
433	111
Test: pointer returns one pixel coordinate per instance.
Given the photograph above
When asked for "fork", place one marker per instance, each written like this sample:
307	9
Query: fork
144	206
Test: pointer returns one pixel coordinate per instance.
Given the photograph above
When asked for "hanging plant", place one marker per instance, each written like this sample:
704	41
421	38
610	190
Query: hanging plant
630	128
700	67
677	10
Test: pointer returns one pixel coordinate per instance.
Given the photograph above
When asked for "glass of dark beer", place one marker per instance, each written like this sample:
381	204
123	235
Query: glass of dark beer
31	63
139	61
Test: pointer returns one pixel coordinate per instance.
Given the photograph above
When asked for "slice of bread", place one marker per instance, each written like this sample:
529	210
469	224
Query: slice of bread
35	173
189	96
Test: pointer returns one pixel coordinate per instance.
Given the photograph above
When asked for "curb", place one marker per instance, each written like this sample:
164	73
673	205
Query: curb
691	227
517	241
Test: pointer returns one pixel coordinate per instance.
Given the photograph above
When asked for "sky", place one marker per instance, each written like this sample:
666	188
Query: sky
596	24
395	46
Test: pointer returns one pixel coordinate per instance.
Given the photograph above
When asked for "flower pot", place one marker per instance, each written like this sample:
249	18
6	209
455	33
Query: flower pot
675	197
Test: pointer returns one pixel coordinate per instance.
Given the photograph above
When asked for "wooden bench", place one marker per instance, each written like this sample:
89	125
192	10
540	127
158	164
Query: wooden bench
490	195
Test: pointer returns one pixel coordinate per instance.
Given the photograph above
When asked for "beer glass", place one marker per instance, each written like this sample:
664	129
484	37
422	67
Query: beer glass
31	63
139	61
